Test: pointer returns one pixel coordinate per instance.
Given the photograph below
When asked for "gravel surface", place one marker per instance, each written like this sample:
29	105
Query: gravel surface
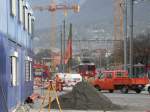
134	102
85	97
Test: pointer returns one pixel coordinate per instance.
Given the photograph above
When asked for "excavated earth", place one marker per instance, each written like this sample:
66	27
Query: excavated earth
84	97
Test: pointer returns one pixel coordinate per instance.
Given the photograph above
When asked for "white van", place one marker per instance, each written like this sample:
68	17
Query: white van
71	79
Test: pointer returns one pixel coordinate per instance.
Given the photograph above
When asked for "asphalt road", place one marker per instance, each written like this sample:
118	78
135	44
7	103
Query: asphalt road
132	101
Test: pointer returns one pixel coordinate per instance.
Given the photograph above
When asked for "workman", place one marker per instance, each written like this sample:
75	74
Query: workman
58	83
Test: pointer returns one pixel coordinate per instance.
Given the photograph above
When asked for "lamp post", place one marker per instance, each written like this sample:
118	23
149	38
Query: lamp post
61	36
125	34
131	34
131	37
64	47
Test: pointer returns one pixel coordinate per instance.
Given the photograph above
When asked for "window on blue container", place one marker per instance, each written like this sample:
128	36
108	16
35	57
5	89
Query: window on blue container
13	7
29	23
20	11
28	70
32	25
27	67
30	77
13	70
25	17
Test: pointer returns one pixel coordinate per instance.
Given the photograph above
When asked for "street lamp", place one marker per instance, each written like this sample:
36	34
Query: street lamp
131	33
124	9
131	37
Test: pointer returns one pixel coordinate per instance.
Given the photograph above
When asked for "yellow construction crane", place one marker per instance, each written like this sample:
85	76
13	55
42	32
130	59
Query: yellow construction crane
118	20
118	28
53	7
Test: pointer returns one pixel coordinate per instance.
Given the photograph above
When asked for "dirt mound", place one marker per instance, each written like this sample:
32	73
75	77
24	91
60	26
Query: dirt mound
84	97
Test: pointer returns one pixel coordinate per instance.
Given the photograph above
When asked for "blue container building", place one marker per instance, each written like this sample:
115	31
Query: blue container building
16	36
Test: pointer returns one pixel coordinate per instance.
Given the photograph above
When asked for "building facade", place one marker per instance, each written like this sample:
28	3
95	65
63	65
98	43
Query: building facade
16	36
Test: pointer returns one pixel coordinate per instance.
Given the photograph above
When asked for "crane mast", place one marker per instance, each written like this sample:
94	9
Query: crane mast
52	8
118	29
53	25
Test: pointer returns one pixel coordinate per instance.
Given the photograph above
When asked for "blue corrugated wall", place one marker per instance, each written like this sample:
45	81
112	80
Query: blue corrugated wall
3	74
12	96
13	38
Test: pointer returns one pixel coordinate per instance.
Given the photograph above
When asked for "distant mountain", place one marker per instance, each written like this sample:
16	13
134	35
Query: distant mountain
95	20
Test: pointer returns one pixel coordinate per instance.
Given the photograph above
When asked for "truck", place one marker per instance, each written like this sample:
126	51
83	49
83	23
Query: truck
119	80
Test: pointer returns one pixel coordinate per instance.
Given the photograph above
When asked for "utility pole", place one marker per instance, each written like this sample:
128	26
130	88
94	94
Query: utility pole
125	34
64	27
100	60
70	62
61	61
131	37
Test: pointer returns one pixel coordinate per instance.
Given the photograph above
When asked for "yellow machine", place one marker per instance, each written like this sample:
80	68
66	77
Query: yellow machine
48	95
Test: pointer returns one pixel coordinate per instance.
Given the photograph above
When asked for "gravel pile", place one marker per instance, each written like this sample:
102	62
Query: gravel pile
84	97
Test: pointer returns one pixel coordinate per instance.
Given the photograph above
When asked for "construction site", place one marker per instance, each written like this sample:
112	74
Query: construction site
74	56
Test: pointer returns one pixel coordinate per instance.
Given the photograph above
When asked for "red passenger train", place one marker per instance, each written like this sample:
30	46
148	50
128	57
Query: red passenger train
41	71
87	69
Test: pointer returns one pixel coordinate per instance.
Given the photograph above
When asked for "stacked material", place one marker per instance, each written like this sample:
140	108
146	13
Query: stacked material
84	97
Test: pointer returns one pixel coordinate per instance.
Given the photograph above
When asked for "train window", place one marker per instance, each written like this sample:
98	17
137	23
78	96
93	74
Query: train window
87	67
109	75
101	76
149	75
14	71
120	74
91	68
13	7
